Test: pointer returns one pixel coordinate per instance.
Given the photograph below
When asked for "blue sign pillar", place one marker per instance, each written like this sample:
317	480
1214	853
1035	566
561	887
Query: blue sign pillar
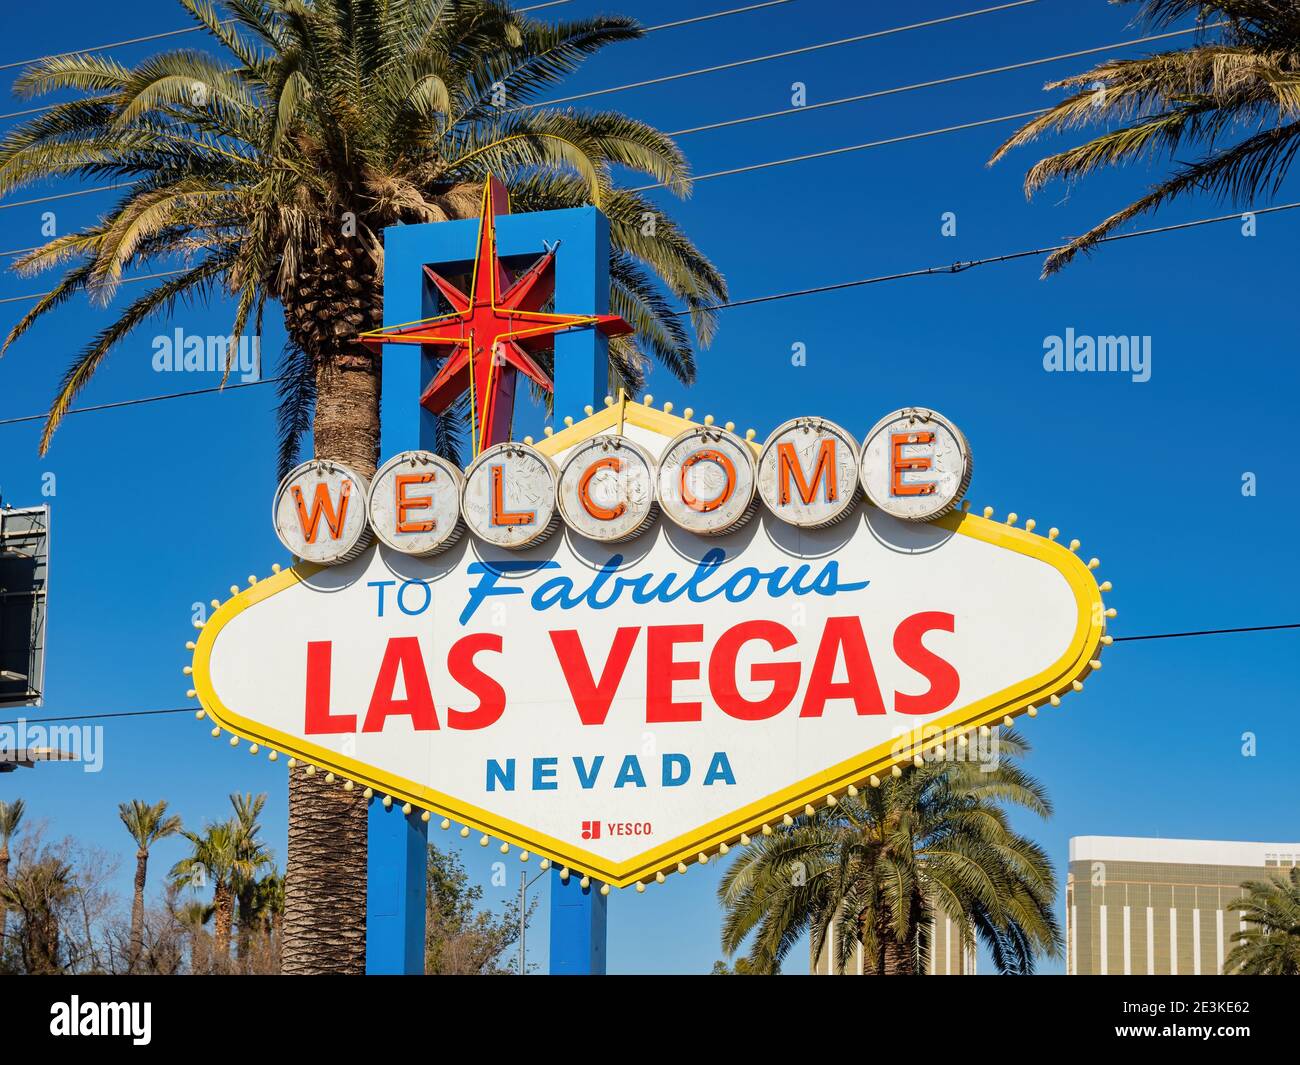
396	865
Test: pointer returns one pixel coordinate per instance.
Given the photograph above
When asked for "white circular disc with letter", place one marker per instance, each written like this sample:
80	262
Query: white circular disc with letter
414	503
319	512
607	489
808	472
509	496
706	481
915	464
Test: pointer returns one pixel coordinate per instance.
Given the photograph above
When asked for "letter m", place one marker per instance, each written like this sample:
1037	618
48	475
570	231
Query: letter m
322	504
788	469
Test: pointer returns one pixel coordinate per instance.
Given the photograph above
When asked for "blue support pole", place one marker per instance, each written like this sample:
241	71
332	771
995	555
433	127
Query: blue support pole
581	377
395	886
578	924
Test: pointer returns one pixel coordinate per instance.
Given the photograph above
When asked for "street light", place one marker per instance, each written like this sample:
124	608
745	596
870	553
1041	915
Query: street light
524	885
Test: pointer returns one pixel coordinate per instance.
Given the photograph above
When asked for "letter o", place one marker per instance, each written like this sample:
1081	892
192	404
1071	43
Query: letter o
706	481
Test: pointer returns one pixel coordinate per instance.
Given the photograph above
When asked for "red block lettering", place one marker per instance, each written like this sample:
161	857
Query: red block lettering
783	675
943	677
402	653
593	698
491	696
662	669
861	685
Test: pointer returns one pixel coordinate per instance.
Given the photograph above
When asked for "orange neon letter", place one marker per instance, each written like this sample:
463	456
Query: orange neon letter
584	490
321	503
405	502
901	465
708	455
501	516
788	467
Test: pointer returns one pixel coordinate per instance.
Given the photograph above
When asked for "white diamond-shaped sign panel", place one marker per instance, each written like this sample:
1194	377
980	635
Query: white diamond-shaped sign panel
623	708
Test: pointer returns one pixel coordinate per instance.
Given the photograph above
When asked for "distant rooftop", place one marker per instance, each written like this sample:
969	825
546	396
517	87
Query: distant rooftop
1181	851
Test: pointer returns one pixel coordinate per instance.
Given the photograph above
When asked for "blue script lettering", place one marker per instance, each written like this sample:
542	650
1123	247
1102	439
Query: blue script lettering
699	586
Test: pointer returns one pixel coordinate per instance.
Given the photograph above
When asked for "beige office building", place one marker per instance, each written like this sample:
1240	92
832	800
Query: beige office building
947	956
1159	906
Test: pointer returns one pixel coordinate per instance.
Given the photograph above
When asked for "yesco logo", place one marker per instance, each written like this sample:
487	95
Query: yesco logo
133	1019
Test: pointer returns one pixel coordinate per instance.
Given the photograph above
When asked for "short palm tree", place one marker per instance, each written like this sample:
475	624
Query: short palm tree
1234	96
1269	945
270	174
39	893
147	824
11	816
875	869
252	858
213	860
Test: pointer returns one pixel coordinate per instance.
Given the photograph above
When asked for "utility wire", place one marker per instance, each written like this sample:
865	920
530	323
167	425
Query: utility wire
194	709
1207	632
177	33
776	55
744	120
951	268
646	30
878	93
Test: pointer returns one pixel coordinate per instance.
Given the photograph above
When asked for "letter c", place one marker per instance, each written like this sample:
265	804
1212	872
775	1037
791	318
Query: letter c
584	490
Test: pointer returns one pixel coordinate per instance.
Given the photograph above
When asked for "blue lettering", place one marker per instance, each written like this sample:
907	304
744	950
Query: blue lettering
588	780
682	775
646	588
719	769
401	598
544	774
379	586
496	775
630	773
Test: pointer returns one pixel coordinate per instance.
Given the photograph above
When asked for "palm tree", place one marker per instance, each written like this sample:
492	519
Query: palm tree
214	859
39	893
270	175
147	824
1233	95
251	857
11	816
874	869
1270	945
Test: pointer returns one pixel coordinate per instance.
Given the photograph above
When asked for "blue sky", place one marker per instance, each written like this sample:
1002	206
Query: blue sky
163	505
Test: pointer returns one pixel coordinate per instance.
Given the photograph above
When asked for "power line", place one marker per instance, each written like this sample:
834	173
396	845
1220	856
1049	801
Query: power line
646	30
193	709
98	717
876	94
177	33
951	79
1207	632
930	271
777	55
147	399
829	152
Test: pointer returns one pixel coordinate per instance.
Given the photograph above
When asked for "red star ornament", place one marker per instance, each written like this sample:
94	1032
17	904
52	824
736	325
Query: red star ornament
492	332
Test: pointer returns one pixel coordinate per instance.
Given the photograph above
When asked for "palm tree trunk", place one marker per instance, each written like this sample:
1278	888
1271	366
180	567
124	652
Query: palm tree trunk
137	911
4	906
223	903
338	295
899	960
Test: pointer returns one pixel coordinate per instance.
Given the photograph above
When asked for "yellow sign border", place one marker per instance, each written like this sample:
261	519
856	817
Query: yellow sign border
1064	676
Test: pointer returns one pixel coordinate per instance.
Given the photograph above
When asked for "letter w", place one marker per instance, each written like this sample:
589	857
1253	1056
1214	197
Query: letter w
321	502
593	698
